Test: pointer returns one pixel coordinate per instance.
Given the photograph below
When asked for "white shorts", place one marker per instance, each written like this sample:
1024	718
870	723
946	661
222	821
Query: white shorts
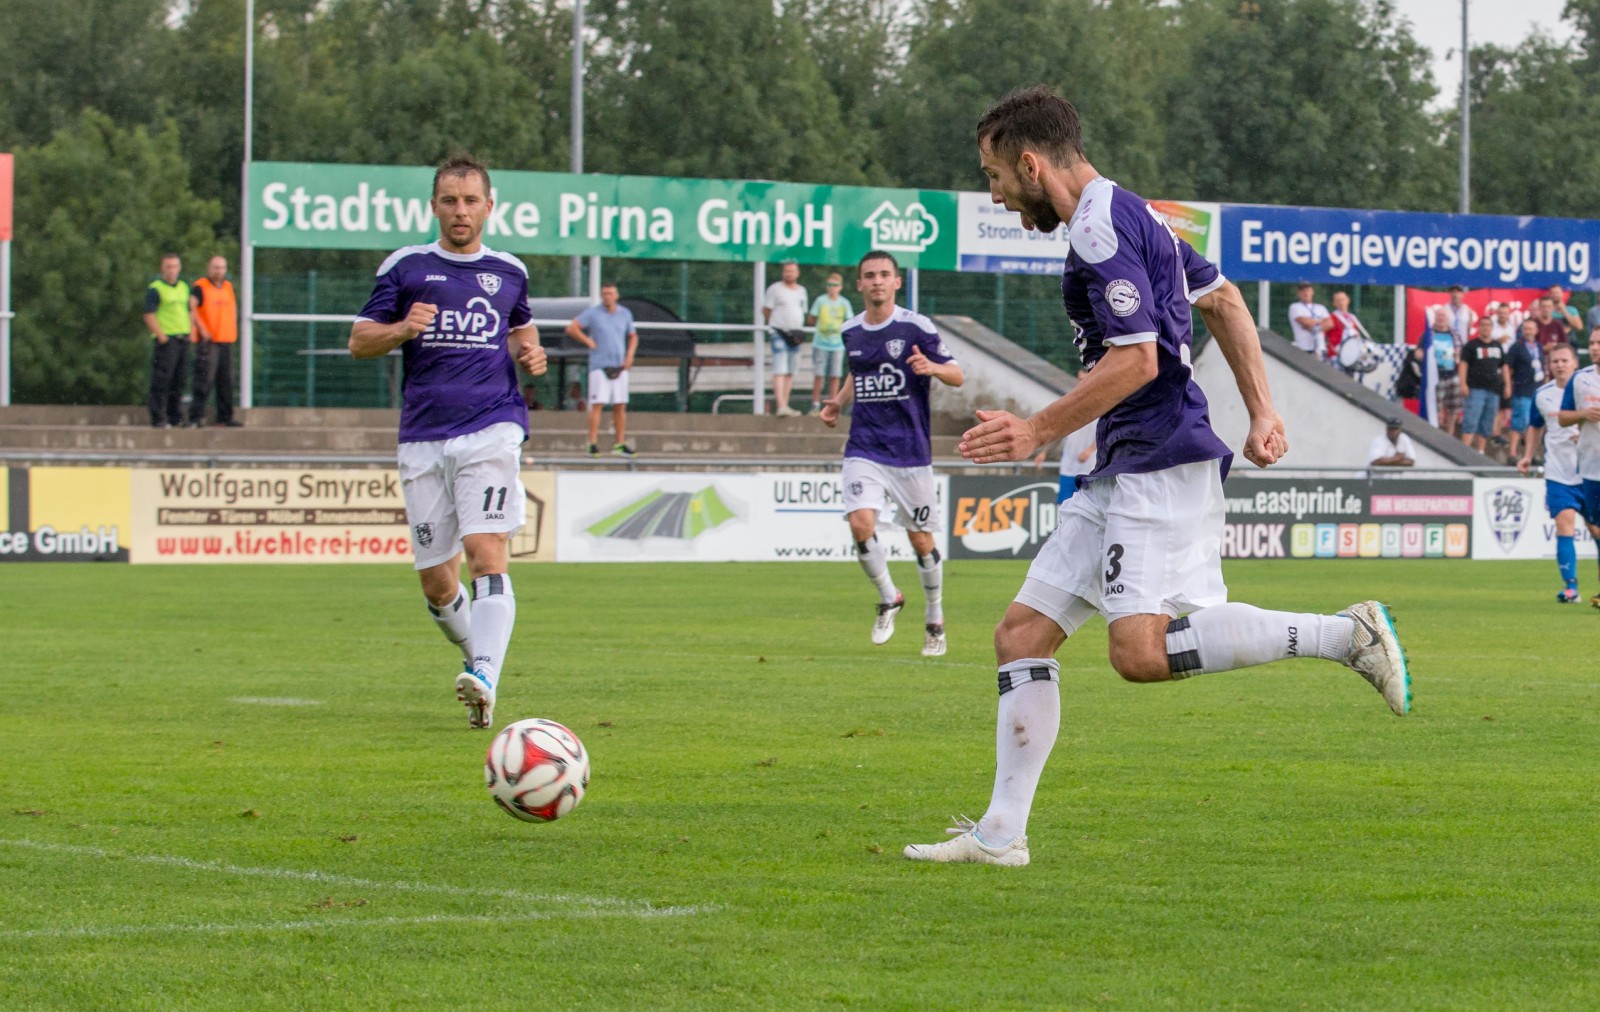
463	485
1133	544
869	485
607	391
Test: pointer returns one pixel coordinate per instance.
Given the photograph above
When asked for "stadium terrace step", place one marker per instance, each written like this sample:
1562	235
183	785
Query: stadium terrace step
51	431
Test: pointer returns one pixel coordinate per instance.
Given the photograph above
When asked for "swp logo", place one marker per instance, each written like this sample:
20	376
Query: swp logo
911	230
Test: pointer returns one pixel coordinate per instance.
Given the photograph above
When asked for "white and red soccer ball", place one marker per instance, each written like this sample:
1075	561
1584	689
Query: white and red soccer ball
537	770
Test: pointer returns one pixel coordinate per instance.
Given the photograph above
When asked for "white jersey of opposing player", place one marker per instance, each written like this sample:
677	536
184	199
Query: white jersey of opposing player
1560	441
1583	391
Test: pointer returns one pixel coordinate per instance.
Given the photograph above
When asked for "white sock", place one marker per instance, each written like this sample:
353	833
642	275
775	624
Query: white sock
1230	636
874	559
494	612
931	568
455	621
1025	732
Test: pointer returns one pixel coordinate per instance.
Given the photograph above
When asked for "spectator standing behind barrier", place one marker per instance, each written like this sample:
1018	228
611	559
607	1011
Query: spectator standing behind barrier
1591	319
607	331
1463	319
1447	389
1525	361
214	312
1346	327
1393	448
1565	313
1486	379
1309	321
166	315
828	314
783	309
574	399
1551	328
1505	326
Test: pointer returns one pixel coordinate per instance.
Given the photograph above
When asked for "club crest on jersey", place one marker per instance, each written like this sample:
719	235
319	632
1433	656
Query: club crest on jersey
1508	514
490	282
425	535
1123	297
895	346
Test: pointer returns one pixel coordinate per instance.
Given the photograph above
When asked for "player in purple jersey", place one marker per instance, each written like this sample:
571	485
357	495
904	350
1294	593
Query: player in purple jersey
459	313
893	355
1140	541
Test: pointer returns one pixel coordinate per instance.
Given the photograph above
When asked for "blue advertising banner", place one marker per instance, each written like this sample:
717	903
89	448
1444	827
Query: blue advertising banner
1330	246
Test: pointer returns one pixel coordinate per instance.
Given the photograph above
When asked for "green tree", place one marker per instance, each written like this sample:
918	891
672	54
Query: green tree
1103	55
95	207
1320	102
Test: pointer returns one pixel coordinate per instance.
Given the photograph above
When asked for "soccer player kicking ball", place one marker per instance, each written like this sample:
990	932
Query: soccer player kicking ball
1140	541
1563	489
1580	406
893	356
455	308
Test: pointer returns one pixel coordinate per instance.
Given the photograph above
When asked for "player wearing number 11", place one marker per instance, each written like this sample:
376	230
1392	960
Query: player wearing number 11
458	312
1140	542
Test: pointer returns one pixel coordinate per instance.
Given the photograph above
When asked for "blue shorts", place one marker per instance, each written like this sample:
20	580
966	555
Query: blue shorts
782	355
1559	498
1590	509
1478	418
1521	413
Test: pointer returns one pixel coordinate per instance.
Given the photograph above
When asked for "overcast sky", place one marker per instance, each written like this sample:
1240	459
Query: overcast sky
1437	25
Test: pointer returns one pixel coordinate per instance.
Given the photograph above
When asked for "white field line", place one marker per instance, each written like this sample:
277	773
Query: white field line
594	904
205	928
275	701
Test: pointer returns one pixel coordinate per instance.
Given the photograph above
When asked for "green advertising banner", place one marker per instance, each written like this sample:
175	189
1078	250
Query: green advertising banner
321	206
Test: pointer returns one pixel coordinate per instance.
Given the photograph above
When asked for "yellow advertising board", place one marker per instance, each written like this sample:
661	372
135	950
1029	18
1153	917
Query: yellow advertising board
64	514
295	514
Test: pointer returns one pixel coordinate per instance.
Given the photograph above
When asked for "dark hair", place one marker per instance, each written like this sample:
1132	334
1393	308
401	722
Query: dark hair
170	256
877	254
462	165
1033	118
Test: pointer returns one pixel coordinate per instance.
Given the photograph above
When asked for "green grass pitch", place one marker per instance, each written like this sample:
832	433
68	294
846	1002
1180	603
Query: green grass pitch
252	787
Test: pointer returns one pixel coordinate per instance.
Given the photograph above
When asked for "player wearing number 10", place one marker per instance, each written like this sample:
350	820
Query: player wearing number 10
1140	542
458	311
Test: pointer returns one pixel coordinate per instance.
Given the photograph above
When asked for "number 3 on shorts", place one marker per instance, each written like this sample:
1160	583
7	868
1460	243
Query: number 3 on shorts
1114	562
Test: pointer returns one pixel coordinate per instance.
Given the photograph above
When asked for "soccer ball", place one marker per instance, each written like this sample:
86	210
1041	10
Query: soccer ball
537	770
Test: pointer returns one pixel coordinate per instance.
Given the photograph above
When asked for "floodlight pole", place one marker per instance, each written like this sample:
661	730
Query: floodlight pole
1466	117
575	267
247	253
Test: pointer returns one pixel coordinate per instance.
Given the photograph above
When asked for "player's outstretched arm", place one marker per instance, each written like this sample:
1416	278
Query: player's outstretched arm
1230	322
371	339
1001	436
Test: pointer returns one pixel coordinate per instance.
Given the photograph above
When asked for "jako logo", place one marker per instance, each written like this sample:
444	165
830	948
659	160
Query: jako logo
910	231
1006	522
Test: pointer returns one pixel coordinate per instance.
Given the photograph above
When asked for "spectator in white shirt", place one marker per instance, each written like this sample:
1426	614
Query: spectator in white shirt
783	310
1463	320
1309	320
1393	448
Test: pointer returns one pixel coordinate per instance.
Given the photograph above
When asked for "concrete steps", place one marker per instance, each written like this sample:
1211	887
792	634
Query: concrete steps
56	431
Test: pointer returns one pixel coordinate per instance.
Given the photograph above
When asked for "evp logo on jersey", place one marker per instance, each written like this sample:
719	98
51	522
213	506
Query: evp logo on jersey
887	384
479	323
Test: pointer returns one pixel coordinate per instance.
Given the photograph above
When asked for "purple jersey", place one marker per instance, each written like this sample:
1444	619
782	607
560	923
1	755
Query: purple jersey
459	376
1129	279
889	423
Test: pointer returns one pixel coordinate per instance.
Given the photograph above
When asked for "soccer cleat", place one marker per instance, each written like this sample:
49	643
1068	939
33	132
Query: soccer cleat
1375	654
967	848
594	449
1568	596
933	643
883	625
473	689
623	450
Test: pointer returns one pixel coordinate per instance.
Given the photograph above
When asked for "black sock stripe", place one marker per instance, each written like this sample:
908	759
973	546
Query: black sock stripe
1010	679
1183	660
1177	625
